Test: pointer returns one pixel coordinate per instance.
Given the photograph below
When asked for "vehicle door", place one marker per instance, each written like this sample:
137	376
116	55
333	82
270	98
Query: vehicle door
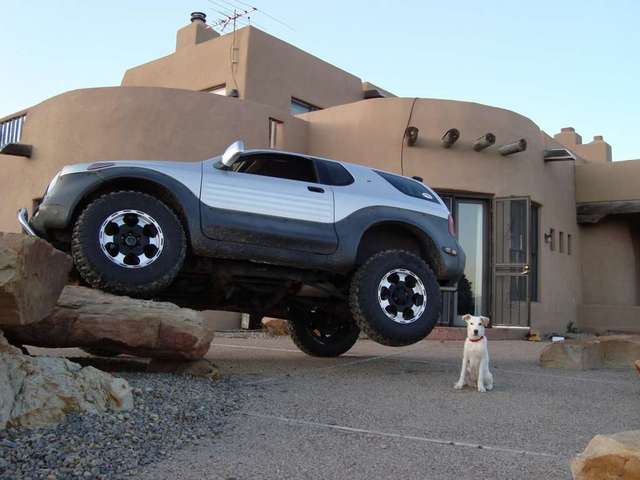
269	199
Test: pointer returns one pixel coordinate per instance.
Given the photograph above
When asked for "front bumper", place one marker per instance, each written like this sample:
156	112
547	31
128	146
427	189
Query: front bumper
23	219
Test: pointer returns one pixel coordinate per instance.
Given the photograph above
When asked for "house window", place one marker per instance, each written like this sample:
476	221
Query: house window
568	244
217	90
534	257
300	106
552	237
275	132
561	242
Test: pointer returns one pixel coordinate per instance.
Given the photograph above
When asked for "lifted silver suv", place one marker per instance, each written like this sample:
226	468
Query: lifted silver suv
332	247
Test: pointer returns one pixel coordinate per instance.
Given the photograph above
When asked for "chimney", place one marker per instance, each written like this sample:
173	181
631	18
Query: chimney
196	32
568	137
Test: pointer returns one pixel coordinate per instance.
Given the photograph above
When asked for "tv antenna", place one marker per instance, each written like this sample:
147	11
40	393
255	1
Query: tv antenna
231	13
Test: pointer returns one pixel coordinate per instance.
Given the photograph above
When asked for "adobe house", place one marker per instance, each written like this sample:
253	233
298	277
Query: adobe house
550	225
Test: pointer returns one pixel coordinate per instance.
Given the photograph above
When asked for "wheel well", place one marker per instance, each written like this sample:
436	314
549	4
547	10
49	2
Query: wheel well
398	236
138	185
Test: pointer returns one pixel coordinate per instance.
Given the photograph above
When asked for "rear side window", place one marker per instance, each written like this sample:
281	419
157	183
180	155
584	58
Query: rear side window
410	187
332	173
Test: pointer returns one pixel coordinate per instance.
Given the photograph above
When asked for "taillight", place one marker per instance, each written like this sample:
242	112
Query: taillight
452	226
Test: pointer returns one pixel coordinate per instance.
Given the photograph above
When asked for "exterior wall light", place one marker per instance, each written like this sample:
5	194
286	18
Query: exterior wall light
511	148
484	141
411	134
450	137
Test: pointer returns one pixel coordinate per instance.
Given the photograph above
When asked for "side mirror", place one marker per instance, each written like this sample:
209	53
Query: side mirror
231	154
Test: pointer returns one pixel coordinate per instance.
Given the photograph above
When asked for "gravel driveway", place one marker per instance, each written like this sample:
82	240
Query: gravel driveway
377	412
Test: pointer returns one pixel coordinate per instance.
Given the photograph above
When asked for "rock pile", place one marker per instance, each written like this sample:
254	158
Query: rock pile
37	309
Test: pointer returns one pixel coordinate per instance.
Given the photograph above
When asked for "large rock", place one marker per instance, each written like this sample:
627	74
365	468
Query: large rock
112	324
612	457
600	352
38	391
275	326
32	275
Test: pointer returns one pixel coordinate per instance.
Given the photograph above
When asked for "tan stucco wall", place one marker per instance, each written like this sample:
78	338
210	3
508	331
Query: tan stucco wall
196	67
268	71
131	123
609	318
610	262
371	132
603	182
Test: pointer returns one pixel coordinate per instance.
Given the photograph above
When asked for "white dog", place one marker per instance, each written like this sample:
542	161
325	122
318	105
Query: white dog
475	359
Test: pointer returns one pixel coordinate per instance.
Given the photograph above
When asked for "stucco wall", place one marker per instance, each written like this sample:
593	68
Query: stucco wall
196	67
610	262
603	182
371	132
131	123
268	71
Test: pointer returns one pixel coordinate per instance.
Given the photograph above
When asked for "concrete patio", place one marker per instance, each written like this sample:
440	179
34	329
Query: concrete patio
383	412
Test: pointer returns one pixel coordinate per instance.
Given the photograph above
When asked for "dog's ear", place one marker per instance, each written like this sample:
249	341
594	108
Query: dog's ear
485	321
466	318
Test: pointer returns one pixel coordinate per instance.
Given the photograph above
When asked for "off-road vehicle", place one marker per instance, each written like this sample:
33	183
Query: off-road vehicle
332	247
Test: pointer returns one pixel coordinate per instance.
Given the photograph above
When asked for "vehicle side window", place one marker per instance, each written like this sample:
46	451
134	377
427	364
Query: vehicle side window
332	173
410	187
289	167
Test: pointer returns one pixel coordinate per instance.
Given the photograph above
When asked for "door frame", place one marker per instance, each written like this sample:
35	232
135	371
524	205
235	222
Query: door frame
487	249
511	269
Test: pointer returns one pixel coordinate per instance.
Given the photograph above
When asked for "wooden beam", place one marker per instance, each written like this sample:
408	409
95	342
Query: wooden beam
511	148
450	137
484	141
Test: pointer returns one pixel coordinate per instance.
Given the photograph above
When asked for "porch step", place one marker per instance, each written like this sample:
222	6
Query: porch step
495	333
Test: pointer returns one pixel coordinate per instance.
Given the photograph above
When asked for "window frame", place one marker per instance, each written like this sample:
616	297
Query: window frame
310	107
281	155
320	161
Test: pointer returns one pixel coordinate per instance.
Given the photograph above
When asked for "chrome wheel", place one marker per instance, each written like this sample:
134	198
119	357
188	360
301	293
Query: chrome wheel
131	239
402	296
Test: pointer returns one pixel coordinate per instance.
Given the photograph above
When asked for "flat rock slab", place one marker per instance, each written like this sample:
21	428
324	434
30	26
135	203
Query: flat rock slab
39	391
32	275
612	351
609	457
110	324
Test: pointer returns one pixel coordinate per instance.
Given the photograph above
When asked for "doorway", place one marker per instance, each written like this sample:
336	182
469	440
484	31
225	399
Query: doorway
512	253
471	215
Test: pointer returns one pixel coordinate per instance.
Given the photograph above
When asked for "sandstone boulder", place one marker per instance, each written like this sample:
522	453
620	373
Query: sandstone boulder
113	324
38	391
609	457
600	352
32	275
275	326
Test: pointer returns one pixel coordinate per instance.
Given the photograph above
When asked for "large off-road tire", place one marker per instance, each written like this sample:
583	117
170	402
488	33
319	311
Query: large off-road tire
395	298
128	243
323	334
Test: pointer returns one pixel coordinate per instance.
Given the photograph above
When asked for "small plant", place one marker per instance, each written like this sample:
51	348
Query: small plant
571	328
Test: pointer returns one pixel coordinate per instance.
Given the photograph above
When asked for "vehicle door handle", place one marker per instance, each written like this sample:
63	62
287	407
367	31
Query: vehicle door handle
316	189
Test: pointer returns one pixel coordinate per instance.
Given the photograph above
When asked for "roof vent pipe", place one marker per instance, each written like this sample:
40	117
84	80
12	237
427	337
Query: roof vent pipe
511	148
198	17
484	141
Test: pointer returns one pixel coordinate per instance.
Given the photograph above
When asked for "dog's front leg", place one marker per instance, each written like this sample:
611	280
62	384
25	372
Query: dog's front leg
484	366
463	371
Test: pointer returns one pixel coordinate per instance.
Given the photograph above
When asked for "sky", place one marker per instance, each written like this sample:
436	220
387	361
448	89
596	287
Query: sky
560	63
